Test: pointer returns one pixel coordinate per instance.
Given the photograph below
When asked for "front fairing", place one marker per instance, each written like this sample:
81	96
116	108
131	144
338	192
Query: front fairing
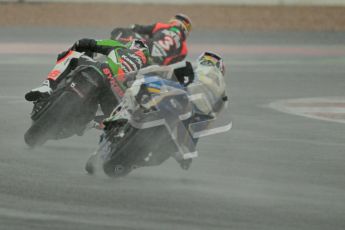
212	106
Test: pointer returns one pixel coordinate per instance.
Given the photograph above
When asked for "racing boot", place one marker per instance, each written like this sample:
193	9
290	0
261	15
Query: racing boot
40	92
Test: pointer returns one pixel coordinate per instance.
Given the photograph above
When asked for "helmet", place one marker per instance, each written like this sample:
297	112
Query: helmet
137	44
184	21
212	59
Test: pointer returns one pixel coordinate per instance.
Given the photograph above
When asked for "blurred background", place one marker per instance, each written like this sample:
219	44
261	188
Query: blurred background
281	166
218	14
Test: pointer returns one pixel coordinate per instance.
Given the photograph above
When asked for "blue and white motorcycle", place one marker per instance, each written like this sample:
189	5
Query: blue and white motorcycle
162	115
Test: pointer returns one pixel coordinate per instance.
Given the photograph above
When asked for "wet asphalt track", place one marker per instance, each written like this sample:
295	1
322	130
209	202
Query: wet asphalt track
271	171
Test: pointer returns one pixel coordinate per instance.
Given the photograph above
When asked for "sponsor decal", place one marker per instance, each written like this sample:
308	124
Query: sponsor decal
166	43
174	36
142	56
114	84
54	74
128	63
137	59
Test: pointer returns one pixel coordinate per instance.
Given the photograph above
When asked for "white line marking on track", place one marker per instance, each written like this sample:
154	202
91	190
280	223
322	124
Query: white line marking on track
326	109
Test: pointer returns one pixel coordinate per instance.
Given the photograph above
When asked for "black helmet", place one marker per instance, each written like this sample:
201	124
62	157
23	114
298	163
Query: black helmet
137	44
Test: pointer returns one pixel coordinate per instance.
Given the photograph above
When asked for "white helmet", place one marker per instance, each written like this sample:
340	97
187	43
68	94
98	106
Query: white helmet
212	59
209	82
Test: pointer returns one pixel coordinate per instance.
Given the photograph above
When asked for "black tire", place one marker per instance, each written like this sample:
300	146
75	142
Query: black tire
130	151
120	161
49	123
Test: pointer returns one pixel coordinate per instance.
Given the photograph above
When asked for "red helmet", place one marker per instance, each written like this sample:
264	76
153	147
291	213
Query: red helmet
184	21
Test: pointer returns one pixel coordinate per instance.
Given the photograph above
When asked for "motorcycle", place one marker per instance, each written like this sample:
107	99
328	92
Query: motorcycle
155	121
72	105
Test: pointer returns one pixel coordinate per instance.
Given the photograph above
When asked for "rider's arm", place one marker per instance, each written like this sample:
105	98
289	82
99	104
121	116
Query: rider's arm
96	46
144	29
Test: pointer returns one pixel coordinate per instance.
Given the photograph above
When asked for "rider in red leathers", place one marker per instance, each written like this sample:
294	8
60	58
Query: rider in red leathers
166	41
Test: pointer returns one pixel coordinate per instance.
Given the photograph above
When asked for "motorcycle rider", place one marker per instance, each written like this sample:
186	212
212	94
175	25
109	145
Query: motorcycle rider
208	80
121	58
204	84
167	41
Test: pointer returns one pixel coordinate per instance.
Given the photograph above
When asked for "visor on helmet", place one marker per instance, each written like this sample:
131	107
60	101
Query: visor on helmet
212	59
184	21
137	44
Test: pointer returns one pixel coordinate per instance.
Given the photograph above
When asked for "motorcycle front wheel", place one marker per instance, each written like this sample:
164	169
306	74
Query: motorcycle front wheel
51	121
